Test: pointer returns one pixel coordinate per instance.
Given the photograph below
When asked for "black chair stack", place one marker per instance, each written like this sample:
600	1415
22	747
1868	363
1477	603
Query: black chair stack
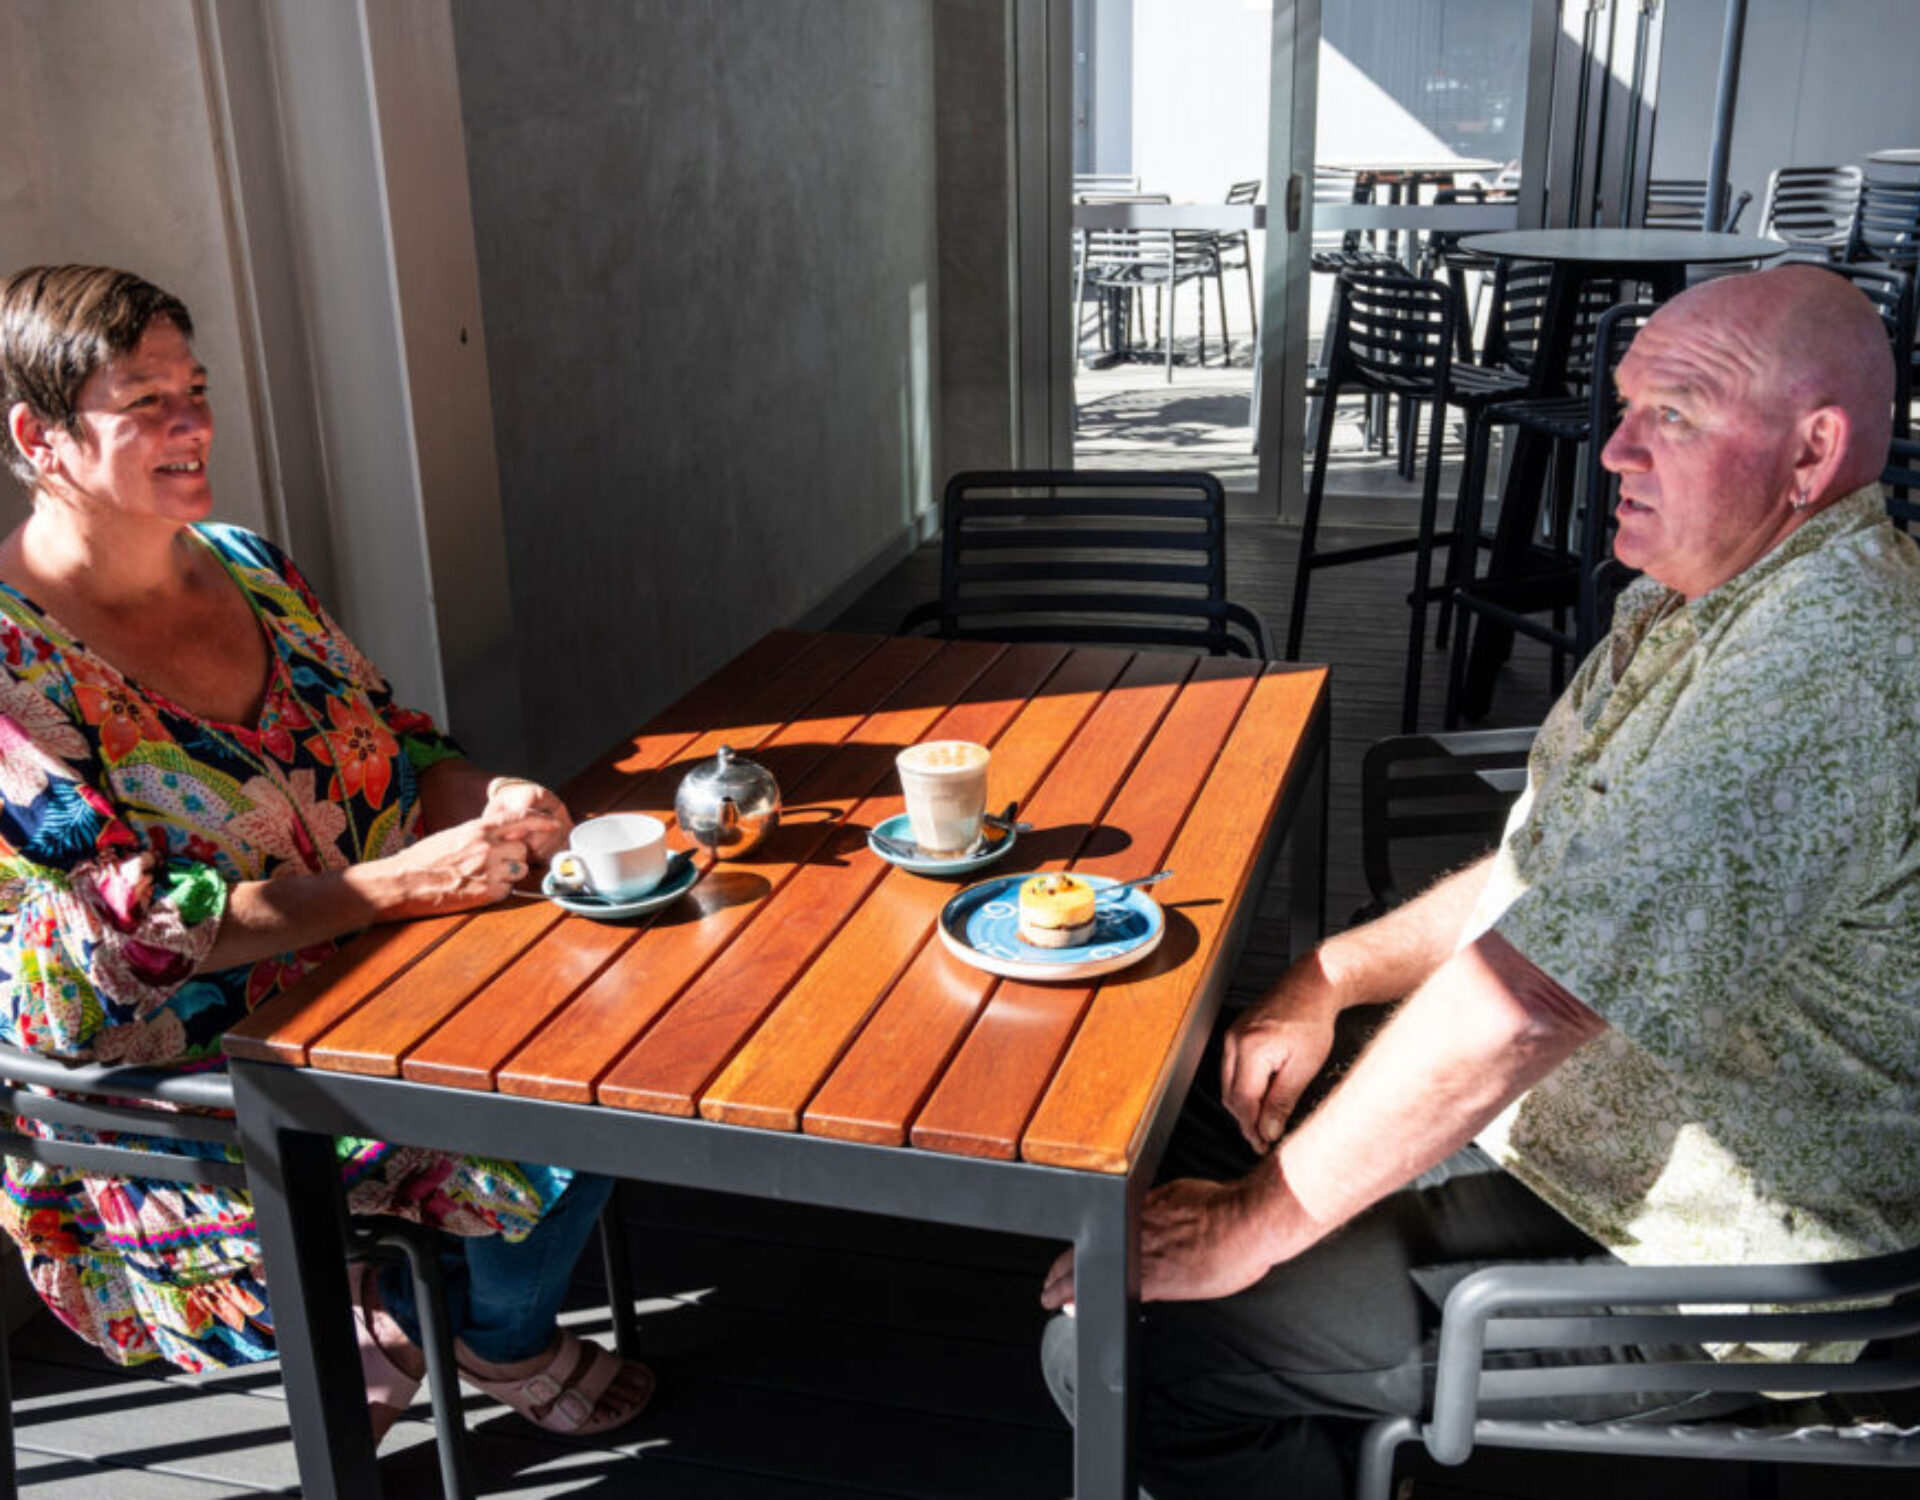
1135	558
1570	569
1393	336
1902	479
1886	231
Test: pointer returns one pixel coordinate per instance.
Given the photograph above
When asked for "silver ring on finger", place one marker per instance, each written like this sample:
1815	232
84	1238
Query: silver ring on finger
515	869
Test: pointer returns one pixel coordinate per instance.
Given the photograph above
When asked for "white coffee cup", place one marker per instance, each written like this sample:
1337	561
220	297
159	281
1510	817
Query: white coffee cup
619	857
945	782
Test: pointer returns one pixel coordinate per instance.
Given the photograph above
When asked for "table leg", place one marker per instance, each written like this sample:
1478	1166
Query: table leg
306	1256
1106	1275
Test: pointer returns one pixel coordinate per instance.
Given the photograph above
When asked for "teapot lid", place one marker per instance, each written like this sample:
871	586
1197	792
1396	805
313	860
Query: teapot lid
730	775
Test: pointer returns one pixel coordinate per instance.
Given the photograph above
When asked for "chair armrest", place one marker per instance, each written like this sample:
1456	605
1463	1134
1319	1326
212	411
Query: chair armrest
921	614
203	1090
1247	620
1530	1291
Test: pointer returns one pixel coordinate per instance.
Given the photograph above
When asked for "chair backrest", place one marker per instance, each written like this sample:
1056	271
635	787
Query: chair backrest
1337	188
1675	203
1886	223
1519	304
1444	795
1127	254
1134	558
1244	192
1811	205
1902	479
1391	332
1105	182
128	1101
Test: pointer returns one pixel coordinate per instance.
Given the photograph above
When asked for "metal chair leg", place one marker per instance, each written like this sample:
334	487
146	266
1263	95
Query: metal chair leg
619	1269
1379	1444
421	1247
8	1480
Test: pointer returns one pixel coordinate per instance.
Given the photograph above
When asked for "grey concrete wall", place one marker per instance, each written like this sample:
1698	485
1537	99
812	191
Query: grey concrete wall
112	158
972	42
1821	81
706	239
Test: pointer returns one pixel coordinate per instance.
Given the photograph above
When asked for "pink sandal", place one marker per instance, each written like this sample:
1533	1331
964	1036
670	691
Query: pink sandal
566	1390
390	1389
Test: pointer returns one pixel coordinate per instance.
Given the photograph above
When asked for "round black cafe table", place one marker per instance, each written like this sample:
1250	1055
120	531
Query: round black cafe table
1657	256
1660	258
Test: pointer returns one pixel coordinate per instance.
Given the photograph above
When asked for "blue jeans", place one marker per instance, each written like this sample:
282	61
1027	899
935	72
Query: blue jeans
503	1299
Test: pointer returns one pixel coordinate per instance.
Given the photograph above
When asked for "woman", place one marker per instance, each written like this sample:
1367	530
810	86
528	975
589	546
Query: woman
203	786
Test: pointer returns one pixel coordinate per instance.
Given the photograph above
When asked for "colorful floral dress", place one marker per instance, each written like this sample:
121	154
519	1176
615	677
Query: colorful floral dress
123	821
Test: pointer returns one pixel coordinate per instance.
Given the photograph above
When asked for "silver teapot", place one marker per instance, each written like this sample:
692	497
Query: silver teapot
729	803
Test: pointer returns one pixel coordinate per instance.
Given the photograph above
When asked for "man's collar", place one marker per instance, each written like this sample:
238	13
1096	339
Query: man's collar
1645	600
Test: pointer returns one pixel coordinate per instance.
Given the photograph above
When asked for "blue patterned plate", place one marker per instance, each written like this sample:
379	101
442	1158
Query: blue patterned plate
680	877
900	830
981	926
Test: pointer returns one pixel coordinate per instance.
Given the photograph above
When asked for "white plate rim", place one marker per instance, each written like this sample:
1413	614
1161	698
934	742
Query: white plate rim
1013	968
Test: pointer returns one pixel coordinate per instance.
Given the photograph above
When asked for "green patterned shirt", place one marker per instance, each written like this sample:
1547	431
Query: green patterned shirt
1718	851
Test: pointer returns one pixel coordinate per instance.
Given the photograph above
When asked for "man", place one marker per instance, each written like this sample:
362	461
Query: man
1678	1010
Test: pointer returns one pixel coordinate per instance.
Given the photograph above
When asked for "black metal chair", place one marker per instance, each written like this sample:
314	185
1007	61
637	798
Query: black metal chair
1811	208
1902	479
1443	254
1134	558
117	1106
1392	336
1445	794
1571	569
1564	1311
1337	250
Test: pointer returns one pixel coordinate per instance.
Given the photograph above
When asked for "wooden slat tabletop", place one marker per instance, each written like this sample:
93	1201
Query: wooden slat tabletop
804	988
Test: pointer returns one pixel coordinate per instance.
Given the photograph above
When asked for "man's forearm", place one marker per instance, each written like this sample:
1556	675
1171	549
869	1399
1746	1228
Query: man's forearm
1480	1032
1394	955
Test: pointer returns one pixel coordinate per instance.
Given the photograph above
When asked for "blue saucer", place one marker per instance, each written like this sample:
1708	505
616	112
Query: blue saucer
899	829
679	879
981	926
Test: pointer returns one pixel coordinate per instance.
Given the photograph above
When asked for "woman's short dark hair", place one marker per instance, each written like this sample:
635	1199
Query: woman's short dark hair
58	324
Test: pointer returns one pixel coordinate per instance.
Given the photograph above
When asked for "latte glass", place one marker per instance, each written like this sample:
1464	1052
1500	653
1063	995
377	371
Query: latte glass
945	783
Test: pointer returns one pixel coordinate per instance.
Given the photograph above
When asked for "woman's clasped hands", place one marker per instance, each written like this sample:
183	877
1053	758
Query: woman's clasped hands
483	859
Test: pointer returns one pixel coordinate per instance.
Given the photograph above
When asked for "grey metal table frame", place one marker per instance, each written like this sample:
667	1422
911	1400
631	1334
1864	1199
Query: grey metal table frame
288	1116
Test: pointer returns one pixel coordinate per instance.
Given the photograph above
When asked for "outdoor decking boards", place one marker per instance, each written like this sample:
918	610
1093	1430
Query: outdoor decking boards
808	1355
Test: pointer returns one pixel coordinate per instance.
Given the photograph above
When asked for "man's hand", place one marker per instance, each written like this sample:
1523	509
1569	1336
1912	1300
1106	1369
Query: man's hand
1274	1051
1199	1239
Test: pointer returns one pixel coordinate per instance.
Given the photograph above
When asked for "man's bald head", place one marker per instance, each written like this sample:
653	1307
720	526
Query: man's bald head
1812	340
